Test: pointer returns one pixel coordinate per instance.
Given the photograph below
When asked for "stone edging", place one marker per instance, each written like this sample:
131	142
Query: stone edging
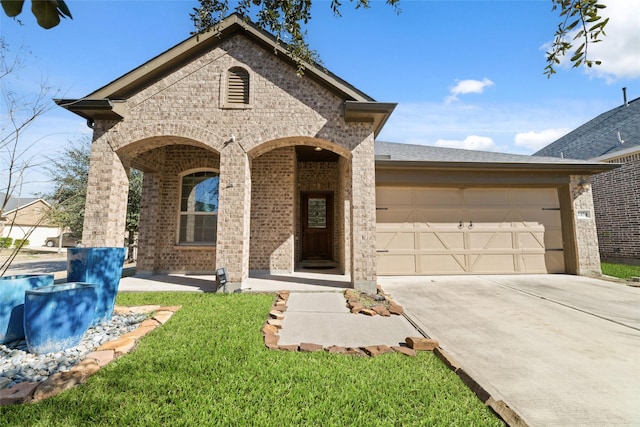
28	392
274	324
386	308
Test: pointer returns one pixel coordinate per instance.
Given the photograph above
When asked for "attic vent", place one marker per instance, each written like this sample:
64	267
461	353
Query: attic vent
238	86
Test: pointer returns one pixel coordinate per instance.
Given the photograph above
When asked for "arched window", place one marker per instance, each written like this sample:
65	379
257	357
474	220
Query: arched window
237	86
199	208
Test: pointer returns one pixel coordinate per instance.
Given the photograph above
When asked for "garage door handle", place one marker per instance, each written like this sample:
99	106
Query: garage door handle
470	225
460	225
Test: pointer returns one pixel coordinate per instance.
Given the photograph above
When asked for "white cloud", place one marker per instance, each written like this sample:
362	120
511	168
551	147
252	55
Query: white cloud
618	50
472	142
464	87
463	126
534	141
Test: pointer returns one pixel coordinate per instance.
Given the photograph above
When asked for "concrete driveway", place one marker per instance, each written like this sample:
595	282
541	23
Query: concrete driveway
559	350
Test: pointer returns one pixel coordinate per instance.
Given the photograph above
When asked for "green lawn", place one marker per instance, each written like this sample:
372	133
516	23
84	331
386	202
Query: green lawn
621	271
208	366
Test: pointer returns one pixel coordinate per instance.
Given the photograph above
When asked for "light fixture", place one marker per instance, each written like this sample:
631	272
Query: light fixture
318	148
221	279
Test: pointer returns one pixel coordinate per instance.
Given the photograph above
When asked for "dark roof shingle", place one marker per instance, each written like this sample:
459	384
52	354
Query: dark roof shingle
600	136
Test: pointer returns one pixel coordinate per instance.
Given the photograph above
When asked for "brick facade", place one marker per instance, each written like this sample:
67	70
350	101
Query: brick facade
585	226
273	210
617	208
181	123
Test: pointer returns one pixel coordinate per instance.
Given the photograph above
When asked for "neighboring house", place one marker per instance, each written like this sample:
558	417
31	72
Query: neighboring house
251	167
22	216
612	137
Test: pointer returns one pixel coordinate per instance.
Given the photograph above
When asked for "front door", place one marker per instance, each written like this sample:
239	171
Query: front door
317	226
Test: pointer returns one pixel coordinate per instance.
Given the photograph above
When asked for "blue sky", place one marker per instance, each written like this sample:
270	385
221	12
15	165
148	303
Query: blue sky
466	74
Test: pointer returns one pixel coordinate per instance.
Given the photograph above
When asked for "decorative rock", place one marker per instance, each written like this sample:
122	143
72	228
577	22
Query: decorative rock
376	350
276	314
163	316
420	343
102	357
308	347
404	350
171	308
281	303
4	382
381	310
284	295
357	308
368	312
355	352
275	322
120	346
335	349
150	322
291	347
87	367
395	308
271	341
19	393
269	330
279	308
58	383
139	332
144	309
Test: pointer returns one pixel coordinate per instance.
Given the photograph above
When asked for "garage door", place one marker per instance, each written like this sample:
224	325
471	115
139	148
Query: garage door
468	231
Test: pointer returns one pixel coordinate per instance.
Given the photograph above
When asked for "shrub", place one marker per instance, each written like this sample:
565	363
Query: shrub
21	242
5	242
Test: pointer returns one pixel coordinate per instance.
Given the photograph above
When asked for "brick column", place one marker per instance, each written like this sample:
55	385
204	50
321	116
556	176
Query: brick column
106	206
585	226
150	206
363	217
234	215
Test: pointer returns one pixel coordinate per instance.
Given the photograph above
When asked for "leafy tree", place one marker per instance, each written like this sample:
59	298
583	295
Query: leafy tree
69	175
580	18
133	208
287	18
47	12
580	24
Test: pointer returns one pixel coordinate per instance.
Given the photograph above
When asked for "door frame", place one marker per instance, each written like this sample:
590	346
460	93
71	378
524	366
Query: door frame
304	196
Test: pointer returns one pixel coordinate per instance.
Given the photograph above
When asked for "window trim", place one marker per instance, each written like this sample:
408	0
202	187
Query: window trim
179	212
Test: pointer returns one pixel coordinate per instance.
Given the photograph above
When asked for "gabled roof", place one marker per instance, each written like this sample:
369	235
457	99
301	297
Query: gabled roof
18	202
107	102
422	156
600	137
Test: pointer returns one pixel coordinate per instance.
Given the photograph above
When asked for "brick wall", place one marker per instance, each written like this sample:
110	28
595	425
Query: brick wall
273	211
585	226
159	215
617	208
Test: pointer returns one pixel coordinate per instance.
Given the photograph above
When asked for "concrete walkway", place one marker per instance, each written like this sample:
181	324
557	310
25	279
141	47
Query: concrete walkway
323	318
560	350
